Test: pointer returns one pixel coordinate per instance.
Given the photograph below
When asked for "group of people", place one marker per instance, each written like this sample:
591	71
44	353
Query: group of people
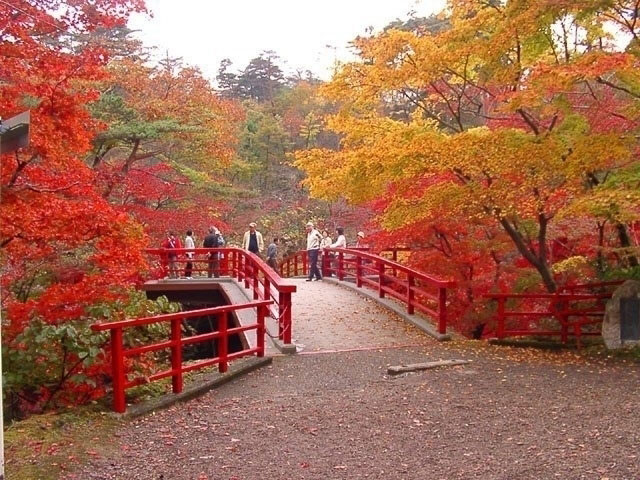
317	242
213	239
252	241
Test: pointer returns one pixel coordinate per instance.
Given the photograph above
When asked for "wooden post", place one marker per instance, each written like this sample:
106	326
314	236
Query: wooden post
267	289
247	271
234	264
262	313
380	278
410	294
284	317
117	366
500	333
305	266
176	355
358	271
256	282
325	264
340	266
442	310
223	343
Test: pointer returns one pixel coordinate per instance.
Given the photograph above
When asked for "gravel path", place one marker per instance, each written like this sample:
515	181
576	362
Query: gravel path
511	414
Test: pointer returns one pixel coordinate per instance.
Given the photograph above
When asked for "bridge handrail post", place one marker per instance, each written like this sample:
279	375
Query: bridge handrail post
442	310
380	279
411	282
295	266
305	266
223	343
247	271
117	366
234	264
325	264
500	330
267	289
260	331
256	281
358	271
284	316
340	266
176	355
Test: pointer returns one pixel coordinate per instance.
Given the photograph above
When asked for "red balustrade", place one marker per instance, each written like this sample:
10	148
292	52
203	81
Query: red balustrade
562	313
175	343
247	268
417	290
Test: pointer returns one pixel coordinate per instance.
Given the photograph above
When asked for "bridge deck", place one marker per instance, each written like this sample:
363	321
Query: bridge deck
327	317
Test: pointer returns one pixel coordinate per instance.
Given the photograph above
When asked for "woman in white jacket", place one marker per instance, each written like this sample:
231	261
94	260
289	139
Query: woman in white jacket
341	242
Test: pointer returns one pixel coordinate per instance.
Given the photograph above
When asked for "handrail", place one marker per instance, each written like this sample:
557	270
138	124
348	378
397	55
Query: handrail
176	342
559	308
246	267
386	276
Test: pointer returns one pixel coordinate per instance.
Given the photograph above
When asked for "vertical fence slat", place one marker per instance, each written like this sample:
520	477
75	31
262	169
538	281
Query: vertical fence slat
380	279
117	365
500	330
176	355
410	294
442	310
262	313
223	343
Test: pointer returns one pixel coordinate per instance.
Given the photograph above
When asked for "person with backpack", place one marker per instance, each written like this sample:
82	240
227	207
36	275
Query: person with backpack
212	240
272	254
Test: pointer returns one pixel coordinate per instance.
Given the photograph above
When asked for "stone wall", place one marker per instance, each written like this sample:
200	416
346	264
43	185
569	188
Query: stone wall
611	322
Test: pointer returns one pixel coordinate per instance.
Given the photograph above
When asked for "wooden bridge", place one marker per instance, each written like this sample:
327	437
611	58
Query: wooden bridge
246	301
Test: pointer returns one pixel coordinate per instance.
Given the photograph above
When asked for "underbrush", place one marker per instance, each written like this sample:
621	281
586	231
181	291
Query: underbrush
46	446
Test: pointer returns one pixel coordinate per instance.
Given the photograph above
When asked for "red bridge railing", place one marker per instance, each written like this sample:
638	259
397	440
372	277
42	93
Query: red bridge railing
246	267
417	290
562	314
175	344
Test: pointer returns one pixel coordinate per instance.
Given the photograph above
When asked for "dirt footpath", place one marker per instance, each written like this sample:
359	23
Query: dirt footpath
509	414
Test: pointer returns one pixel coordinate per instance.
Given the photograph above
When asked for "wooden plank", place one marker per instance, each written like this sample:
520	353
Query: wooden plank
414	367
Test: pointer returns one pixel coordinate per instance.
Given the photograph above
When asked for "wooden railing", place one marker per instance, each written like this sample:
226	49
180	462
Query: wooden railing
417	290
563	313
246	267
175	344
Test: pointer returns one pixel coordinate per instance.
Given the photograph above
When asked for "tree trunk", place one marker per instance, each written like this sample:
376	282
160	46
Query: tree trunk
625	242
539	261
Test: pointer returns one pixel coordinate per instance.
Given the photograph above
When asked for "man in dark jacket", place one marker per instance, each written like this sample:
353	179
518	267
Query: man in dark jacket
212	240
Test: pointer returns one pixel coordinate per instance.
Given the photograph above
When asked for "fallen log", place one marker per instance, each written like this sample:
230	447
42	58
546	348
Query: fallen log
414	367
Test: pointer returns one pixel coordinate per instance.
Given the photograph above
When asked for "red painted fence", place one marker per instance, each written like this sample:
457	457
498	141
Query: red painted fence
175	343
562	314
246	267
417	290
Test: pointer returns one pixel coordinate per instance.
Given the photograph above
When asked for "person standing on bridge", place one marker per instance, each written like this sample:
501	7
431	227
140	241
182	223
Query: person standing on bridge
313	248
252	240
212	240
171	243
272	254
189	243
341	242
